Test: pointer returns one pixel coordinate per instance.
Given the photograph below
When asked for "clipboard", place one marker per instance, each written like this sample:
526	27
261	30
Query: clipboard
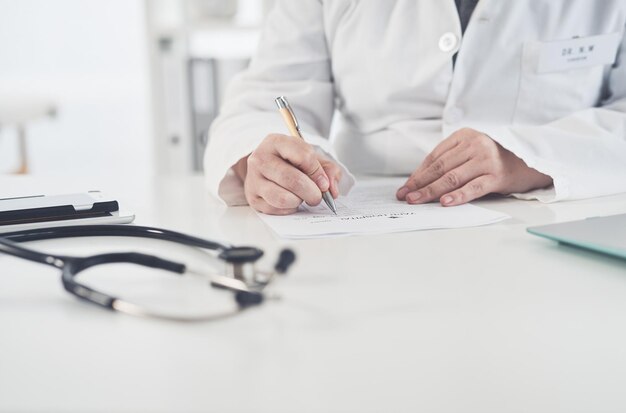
40	211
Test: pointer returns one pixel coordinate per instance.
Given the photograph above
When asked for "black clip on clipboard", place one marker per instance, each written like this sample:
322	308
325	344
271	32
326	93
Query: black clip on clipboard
38	211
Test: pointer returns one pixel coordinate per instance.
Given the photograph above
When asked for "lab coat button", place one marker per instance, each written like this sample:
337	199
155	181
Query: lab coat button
453	115
448	42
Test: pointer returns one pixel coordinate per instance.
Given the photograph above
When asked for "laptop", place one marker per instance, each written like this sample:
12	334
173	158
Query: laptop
606	235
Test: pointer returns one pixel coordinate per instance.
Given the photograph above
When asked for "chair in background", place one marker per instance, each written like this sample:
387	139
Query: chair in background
18	112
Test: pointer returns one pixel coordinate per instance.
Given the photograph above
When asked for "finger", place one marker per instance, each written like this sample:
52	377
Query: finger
436	170
334	173
447	144
476	188
450	181
303	156
277	196
292	179
261	205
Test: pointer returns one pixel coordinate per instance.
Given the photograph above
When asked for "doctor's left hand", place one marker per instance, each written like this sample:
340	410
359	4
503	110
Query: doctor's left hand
466	166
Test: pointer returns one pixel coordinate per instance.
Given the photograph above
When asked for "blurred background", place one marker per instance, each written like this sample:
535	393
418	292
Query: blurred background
89	87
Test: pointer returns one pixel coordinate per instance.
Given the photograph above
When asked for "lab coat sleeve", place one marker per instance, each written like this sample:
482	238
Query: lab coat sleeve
292	60
584	153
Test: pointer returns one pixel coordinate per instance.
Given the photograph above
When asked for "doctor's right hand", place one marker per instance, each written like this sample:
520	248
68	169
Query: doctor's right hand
284	171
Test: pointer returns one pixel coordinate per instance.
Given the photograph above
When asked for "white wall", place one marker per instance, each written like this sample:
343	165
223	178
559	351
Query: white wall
90	56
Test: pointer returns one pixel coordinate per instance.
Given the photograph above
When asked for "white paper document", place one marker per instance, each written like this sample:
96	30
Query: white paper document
372	208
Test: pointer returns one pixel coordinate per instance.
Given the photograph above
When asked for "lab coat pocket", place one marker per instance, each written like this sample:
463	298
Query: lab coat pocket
545	96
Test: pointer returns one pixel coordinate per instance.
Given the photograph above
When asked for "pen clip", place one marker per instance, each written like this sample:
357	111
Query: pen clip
283	103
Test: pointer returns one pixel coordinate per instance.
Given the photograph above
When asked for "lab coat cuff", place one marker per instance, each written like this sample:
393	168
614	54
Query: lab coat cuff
222	181
509	140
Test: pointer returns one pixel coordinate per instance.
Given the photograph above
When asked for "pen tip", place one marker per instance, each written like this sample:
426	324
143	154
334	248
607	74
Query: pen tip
330	202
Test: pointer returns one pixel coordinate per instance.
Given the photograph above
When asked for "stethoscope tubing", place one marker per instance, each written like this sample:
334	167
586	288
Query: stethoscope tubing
39	234
71	266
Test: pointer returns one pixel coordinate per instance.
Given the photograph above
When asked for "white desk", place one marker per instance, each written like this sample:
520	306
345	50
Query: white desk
485	319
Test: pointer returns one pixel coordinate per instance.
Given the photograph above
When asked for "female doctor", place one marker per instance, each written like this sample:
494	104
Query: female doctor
465	97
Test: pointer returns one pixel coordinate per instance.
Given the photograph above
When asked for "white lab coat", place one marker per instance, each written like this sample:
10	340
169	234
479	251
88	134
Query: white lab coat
386	68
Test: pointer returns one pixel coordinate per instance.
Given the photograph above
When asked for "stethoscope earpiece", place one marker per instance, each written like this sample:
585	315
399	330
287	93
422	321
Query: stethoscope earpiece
248	299
285	259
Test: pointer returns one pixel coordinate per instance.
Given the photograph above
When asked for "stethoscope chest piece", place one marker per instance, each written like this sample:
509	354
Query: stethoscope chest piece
240	261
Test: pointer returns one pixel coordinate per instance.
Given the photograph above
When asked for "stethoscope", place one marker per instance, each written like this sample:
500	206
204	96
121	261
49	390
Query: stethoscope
240	277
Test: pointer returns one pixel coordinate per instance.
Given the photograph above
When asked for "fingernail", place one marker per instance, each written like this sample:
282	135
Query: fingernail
402	192
414	196
322	182
447	200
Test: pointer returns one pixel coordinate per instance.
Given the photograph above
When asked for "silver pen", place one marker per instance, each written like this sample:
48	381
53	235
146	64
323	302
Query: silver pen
294	129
